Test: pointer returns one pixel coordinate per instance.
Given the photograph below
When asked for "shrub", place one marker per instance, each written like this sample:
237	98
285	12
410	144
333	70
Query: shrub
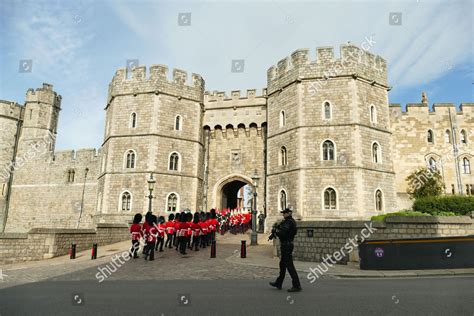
400	213
424	182
441	205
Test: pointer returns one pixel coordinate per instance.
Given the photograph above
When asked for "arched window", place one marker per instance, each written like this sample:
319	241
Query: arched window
373	114
174	162
283	200
432	164
463	137
71	174
328	150
447	136
177	123
429	136
330	199
376	153
133	120
466	166
130	159
327	110
378	200
172	202
282	118
283	156
126	201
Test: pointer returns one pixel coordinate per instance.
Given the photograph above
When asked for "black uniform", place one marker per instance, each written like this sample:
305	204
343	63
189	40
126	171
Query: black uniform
286	233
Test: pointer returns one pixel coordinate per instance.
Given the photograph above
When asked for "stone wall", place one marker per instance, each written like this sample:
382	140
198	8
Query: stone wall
331	236
45	243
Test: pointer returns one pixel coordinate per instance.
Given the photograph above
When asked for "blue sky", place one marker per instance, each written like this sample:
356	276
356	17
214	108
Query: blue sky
78	45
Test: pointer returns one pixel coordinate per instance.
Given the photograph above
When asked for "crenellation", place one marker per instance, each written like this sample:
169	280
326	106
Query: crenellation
180	77
79	156
159	72
43	95
324	55
235	94
139	73
300	57
283	66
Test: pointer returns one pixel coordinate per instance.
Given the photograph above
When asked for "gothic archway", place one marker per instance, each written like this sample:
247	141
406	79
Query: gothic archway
226	191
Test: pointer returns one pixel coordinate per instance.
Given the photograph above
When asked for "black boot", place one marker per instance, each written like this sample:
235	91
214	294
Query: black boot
274	284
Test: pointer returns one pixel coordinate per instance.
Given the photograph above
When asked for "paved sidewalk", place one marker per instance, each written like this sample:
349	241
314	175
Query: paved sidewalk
262	256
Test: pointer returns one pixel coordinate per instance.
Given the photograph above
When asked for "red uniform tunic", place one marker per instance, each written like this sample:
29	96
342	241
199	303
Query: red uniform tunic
196	229
150	233
161	230
184	229
214	224
204	228
136	231
170	227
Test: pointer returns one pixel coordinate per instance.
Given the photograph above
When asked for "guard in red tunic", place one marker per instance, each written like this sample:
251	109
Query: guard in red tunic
183	230
196	228
204	230
137	234
170	231
161	233
151	235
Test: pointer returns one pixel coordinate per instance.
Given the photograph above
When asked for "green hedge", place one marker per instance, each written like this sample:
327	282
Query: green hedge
440	205
381	217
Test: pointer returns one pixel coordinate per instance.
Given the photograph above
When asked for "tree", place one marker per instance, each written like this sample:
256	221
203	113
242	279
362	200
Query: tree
425	182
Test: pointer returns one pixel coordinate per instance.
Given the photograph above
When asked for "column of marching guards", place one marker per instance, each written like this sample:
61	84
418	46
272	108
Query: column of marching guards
184	231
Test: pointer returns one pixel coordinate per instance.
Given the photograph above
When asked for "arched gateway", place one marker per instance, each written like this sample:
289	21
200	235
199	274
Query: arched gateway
226	191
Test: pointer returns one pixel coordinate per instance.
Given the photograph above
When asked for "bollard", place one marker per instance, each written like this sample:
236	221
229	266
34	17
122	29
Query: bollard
94	252
213	249
72	252
243	249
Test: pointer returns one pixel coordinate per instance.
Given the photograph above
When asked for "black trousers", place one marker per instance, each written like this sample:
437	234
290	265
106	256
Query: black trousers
159	243
286	263
134	249
182	245
169	240
195	244
150	250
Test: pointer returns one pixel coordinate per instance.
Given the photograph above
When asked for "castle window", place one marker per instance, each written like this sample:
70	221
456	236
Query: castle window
130	159
463	137
378	200
172	202
466	166
174	162
452	189
71	175
376	153
133	120
373	114
282	119
447	136
330	199
468	190
283	156
126	201
327	110
328	150
429	136
177	123
282	200
432	164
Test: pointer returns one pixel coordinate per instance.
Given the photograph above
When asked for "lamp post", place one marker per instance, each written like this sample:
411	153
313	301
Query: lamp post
253	236
151	184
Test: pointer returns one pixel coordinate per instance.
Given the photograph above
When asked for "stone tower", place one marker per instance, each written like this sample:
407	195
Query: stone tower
153	125
328	135
40	120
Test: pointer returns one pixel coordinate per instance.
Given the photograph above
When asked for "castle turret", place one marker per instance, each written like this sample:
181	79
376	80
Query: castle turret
40	122
153	125
328	135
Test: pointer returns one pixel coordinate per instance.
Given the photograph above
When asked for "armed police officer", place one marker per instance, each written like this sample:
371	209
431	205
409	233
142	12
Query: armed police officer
286	232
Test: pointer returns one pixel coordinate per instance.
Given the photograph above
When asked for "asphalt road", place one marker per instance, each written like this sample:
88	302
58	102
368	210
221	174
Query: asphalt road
410	296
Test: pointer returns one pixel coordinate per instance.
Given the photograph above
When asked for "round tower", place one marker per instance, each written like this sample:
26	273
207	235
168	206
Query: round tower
153	126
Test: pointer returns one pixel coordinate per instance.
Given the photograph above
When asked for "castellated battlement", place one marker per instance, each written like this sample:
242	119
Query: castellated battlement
353	61
10	109
396	111
78	156
156	81
43	95
221	97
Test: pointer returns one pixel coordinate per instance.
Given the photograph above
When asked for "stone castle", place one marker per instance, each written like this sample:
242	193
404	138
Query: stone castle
321	137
